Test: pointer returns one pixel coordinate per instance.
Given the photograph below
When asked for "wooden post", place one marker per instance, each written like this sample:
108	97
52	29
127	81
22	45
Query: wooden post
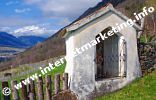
4	88
48	88
57	83
28	89
24	91
65	81
15	94
40	89
32	94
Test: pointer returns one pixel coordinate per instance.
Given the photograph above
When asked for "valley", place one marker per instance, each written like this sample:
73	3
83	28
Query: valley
7	53
10	45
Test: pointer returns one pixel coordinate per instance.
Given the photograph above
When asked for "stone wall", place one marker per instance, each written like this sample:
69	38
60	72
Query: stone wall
147	56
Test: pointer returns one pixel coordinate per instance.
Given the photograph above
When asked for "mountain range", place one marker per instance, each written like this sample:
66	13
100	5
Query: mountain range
8	40
31	40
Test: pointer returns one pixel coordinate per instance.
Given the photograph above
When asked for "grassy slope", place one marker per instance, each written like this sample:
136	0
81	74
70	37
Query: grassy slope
57	70
141	89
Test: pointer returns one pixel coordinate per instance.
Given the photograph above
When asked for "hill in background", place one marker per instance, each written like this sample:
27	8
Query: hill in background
10	45
31	40
10	40
55	45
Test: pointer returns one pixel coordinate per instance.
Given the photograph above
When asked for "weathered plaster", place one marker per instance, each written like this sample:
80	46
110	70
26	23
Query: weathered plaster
81	69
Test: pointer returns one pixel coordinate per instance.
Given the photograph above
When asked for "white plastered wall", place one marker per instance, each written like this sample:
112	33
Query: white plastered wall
82	68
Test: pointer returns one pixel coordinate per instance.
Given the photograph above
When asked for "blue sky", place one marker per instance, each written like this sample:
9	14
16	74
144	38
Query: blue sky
40	17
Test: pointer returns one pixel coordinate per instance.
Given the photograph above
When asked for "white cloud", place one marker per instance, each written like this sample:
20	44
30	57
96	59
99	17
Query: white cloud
4	29
33	1
22	10
11	3
63	8
33	30
15	21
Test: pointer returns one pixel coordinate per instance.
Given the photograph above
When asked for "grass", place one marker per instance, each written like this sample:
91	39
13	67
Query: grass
0	91
141	89
16	71
57	70
147	38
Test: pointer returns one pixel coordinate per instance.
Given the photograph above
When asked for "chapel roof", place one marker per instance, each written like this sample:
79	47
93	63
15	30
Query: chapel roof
93	13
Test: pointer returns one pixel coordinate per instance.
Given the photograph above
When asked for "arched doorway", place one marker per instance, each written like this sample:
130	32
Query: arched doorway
110	57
